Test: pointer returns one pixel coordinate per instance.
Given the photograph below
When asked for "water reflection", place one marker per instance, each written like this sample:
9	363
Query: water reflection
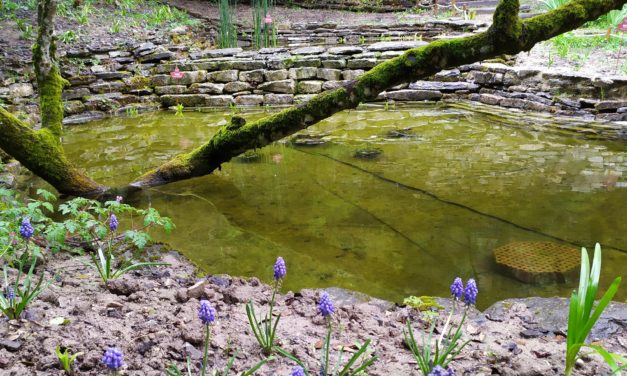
433	205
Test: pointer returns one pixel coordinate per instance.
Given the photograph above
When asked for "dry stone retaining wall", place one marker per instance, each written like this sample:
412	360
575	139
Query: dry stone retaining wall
139	79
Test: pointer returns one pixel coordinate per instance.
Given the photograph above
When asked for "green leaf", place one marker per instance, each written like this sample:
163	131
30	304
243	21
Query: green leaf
46	195
610	358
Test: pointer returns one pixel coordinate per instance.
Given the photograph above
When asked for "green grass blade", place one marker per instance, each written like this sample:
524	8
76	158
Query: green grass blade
257	366
139	265
573	322
364	365
355	357
252	320
229	365
603	303
607	356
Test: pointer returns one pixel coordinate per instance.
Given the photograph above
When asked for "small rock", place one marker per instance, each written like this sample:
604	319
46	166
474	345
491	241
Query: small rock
192	352
219	281
531	333
541	354
196	291
123	286
10	345
115	305
145	347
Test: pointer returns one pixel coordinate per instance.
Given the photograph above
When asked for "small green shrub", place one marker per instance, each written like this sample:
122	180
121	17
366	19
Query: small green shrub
582	317
66	358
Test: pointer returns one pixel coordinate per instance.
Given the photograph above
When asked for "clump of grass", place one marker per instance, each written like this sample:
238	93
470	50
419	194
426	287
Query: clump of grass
228	32
264	27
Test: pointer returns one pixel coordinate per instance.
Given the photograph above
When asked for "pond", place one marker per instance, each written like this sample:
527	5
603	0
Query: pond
449	186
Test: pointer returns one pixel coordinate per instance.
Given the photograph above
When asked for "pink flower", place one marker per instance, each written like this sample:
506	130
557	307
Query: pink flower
267	19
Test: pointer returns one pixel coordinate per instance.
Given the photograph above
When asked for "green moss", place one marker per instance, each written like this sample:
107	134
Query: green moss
507	26
422	303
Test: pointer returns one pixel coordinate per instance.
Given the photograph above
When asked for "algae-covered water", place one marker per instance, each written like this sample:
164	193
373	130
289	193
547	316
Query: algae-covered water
450	186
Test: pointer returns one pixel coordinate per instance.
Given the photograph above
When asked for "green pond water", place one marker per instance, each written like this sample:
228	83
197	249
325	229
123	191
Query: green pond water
432	206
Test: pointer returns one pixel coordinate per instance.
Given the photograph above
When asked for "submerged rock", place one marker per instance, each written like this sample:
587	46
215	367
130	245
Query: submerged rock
308	140
249	156
399	133
368	153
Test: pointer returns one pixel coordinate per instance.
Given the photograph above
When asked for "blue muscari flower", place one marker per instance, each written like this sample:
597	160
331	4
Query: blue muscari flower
113	222
325	306
26	229
112	358
10	294
457	288
206	313
298	371
439	371
471	291
280	269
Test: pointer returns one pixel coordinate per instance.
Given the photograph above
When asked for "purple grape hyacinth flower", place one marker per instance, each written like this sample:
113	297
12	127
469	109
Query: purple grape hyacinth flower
10	294
471	291
280	270
26	229
113	223
325	305
457	288
206	313
119	199
439	371
298	371
112	358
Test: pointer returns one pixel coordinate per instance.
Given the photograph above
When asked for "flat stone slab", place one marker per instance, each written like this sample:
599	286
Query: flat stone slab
308	51
395	46
550	315
222	52
345	50
85	117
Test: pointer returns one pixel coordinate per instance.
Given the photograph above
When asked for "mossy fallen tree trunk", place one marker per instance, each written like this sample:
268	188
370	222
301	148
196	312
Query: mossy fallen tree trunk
41	151
507	35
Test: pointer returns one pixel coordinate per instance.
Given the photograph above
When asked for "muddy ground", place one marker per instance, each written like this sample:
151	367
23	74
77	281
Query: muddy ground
151	315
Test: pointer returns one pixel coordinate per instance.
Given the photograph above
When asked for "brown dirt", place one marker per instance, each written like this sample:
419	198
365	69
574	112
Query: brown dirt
286	16
151	315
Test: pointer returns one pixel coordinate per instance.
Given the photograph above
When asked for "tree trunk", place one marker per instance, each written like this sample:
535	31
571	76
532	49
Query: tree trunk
41	151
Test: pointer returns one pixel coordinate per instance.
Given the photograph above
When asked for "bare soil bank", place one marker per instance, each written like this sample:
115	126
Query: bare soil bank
152	316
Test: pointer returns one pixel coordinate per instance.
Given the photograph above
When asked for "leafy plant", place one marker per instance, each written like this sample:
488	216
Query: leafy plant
552	4
66	358
609	20
207	315
179	110
326	309
104	260
582	317
19	295
116	25
68	36
265	330
448	345
24	27
132	112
